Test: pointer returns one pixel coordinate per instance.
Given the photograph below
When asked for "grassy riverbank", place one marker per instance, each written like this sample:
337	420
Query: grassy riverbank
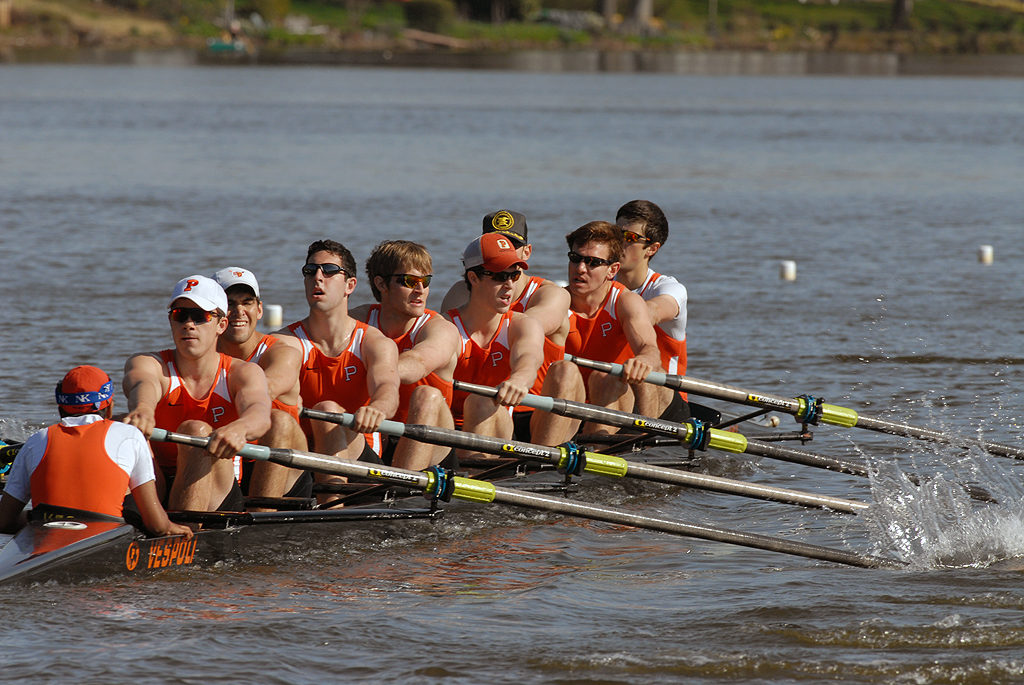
936	26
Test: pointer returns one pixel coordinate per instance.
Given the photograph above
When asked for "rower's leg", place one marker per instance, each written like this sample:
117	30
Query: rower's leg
563	380
270	479
331	438
607	391
202	481
652	400
427	407
484	416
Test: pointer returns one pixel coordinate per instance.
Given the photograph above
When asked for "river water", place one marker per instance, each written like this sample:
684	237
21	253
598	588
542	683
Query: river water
115	182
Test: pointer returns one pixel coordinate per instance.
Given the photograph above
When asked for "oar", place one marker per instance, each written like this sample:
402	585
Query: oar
806	409
577	461
688	432
442	483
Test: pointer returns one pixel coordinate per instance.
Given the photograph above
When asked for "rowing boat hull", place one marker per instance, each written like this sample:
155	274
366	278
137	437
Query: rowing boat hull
76	549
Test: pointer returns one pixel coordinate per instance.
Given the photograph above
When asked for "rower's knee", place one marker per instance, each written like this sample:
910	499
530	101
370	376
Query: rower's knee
425	404
284	431
195	427
563	377
478	407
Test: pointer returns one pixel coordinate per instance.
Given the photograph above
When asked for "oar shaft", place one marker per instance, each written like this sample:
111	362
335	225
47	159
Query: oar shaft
719	440
482	491
830	413
606	464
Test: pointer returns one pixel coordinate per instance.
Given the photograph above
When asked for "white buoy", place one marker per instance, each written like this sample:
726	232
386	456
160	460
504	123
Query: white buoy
787	270
273	315
985	254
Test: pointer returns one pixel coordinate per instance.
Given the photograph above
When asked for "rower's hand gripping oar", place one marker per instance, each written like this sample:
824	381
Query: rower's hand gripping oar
805	409
441	484
569	458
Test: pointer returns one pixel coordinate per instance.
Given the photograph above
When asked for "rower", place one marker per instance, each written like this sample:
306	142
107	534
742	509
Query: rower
281	365
83	465
194	389
547	302
609	323
347	366
644	231
400	272
499	347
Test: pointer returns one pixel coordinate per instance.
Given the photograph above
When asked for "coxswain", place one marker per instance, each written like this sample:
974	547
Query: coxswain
194	389
399	273
644	231
347	366
84	465
499	347
281	365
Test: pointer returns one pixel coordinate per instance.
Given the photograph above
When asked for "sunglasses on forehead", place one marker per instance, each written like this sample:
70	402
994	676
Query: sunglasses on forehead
629	237
193	314
500	276
410	281
309	270
591	262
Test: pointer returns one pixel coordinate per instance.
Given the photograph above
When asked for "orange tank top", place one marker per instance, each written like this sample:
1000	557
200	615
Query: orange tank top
487	365
673	350
341	379
405	342
600	337
553	352
177	406
75	471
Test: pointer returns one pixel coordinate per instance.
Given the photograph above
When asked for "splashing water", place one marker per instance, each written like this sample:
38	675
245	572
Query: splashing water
936	523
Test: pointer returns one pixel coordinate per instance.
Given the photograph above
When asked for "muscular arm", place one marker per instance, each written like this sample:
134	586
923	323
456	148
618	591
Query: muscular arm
248	387
381	359
662	308
434	350
526	339
636	324
550	306
281	365
143	385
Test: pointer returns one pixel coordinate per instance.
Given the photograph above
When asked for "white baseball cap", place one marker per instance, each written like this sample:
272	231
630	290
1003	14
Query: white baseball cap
203	291
236	275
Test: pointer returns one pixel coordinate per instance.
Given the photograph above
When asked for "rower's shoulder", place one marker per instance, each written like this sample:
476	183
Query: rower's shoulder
361	312
287	335
551	291
142	361
437	326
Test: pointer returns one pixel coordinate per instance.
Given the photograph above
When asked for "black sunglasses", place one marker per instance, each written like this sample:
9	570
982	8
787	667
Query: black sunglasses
591	262
309	270
410	281
193	314
501	276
